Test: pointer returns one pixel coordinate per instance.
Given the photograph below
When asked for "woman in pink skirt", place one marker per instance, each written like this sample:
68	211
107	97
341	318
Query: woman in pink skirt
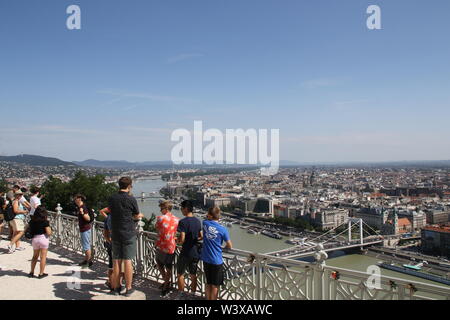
40	229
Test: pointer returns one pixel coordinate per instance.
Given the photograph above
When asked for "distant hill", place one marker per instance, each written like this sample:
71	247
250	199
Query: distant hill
33	160
120	164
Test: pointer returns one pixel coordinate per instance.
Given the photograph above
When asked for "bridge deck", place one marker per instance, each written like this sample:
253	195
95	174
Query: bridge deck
14	269
308	250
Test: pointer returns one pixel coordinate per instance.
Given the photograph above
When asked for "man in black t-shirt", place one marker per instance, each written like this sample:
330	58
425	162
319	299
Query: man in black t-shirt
190	229
124	212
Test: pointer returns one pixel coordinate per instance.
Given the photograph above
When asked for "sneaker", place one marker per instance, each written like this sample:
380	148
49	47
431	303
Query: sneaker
20	249
42	275
31	275
10	249
91	263
84	263
165	292
115	292
128	293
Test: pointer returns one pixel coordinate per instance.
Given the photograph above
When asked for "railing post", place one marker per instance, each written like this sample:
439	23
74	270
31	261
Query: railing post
58	224
258	266
318	281
140	249
93	238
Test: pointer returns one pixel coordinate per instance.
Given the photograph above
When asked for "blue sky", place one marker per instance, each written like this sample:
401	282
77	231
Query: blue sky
137	70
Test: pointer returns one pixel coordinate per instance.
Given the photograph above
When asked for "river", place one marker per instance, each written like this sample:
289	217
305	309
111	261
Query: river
263	244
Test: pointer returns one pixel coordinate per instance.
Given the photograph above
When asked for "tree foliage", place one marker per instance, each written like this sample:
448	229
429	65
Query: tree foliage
3	185
93	188
299	223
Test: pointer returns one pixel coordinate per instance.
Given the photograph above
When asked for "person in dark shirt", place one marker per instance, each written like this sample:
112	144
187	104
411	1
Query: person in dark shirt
108	245
84	222
2	210
124	213
190	229
40	230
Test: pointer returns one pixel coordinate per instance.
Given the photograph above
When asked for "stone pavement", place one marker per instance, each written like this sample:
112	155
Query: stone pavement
65	281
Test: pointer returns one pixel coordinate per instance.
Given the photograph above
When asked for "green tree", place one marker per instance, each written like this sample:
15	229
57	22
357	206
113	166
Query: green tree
93	188
3	185
150	223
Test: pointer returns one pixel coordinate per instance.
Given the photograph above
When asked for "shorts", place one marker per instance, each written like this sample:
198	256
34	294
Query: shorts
86	240
40	241
18	225
214	273
124	250
164	259
185	262
108	247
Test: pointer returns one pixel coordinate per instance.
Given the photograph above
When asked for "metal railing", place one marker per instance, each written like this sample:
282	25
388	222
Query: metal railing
254	276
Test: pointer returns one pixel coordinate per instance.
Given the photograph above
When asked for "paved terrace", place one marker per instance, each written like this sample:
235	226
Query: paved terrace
60	283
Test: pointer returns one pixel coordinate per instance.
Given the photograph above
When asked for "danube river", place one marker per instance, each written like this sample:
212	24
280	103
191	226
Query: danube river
262	244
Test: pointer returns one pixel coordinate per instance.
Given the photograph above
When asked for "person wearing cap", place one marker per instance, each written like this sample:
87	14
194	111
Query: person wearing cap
18	223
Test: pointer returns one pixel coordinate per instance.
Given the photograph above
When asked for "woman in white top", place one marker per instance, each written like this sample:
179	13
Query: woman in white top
18	223
35	201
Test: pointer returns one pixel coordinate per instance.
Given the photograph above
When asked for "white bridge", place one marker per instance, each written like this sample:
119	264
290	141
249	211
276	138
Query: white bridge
332	243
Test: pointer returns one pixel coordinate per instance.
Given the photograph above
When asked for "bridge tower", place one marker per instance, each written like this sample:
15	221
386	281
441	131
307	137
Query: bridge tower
361	233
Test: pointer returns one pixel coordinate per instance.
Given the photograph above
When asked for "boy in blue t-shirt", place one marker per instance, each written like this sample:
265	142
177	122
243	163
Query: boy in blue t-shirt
213	236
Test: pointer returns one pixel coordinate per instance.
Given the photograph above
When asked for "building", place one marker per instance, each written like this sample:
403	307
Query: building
437	216
374	217
436	240
330	218
217	201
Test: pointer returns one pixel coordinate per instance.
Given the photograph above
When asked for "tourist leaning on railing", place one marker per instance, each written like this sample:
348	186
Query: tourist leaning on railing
190	229
166	226
214	234
40	231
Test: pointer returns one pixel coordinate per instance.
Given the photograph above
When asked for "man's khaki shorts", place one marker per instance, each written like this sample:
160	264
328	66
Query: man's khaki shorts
17	225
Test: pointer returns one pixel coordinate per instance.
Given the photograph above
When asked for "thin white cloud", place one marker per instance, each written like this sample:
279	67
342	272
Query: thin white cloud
321	83
184	56
147	96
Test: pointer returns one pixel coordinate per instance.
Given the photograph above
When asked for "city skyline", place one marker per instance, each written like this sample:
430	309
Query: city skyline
117	88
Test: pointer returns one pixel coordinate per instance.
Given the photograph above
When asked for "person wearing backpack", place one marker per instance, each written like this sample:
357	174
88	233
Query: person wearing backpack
2	210
40	230
85	223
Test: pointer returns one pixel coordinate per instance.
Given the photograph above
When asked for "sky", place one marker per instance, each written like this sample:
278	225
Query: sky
139	69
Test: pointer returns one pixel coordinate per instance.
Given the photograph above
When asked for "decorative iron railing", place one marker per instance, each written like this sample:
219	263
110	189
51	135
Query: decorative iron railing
253	276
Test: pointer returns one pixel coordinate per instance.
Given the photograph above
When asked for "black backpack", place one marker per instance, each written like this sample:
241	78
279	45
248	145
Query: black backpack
9	212
91	215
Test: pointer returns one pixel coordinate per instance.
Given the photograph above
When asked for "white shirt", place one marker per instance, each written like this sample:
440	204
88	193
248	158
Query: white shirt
34	203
